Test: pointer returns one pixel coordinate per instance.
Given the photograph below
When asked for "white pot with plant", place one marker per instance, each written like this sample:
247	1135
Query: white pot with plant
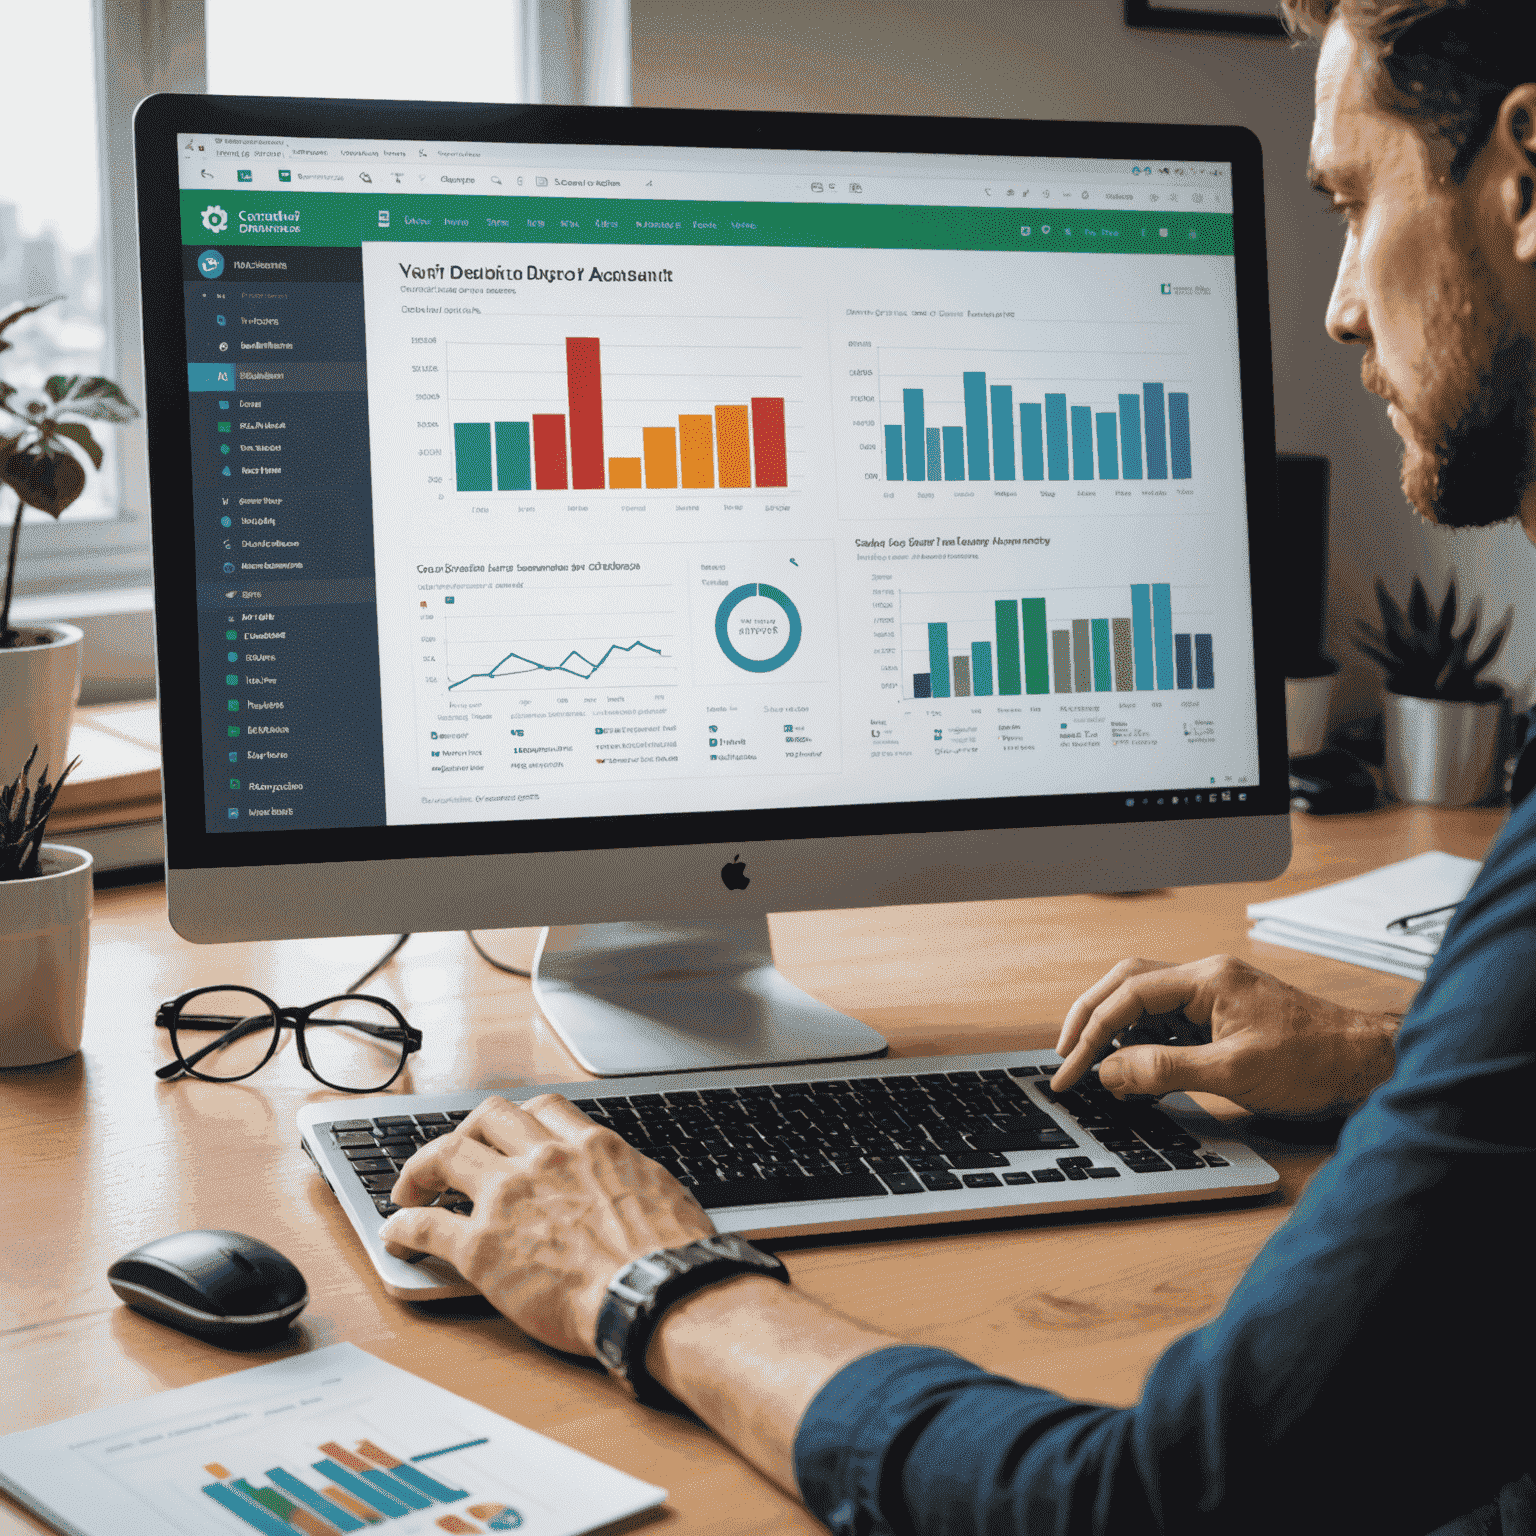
1443	725
46	451
45	928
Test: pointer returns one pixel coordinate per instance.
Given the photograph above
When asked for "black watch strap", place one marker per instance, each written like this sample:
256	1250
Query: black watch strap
643	1290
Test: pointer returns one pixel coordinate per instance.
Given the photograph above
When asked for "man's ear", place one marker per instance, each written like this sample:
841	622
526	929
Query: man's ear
1515	133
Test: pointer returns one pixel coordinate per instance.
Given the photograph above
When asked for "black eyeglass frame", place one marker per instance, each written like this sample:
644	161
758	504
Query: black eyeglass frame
169	1016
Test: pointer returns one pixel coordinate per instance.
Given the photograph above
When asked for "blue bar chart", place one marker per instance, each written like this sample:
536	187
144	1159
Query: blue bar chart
1139	435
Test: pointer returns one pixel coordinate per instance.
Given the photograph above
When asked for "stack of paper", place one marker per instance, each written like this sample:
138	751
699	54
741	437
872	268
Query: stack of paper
1352	919
320	1444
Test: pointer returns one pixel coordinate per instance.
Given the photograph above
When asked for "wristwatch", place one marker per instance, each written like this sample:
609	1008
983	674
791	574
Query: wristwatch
643	1290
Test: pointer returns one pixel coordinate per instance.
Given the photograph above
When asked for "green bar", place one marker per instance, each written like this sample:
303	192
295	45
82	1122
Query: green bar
514	458
938	659
981	659
1103	682
1007	611
1036	646
472	455
287	219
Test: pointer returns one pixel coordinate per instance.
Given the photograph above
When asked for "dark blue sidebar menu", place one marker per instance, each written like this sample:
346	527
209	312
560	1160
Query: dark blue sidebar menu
288	629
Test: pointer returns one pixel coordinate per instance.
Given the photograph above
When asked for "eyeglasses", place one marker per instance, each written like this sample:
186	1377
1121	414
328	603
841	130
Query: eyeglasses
352	1043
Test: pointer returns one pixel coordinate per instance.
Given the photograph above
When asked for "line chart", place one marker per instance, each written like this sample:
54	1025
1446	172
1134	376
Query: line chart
529	664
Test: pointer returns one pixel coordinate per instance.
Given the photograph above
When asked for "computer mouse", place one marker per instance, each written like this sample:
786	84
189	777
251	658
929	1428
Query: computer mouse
224	1287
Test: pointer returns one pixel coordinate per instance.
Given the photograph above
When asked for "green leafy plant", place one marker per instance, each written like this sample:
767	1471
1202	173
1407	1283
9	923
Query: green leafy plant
43	453
1423	655
24	813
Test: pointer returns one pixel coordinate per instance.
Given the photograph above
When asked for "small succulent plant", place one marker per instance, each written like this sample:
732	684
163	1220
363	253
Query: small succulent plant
1422	654
24	815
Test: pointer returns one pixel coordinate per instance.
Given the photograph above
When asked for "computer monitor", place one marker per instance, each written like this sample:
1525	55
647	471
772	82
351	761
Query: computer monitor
637	522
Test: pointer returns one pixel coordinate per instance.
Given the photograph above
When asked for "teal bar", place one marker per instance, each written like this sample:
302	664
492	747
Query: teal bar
429	1486
514	457
1002	431
1103	682
1130	436
893	456
1141	635
371	1496
1178	434
1056	437
1157	442
981	658
1032	620
954	453
472	455
978	465
935	454
1006	612
912	409
391	1484
938	659
1162	632
1109	457
1031	455
1082	443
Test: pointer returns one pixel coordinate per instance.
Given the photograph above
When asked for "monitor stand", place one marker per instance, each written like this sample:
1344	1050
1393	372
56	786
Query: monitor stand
636	998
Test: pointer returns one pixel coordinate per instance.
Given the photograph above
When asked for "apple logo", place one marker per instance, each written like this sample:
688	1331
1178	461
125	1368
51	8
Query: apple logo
735	875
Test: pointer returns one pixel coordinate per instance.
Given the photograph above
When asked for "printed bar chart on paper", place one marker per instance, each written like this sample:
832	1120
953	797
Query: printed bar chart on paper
612	431
976	645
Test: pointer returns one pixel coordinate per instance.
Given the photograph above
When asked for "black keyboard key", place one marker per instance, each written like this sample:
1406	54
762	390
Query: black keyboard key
372	1165
383	1120
384	1205
1026	1139
927	1162
994	1075
1074	1162
1017	1177
1145	1162
398	1148
837	1186
1212	1161
363	1153
646	1100
940	1181
1184	1160
1049	1176
458	1114
882	1164
1075	1173
976	1160
586	1106
432	1119
981	1181
901	1183
378	1183
1103	1173
1023	1071
351	1125
355	1139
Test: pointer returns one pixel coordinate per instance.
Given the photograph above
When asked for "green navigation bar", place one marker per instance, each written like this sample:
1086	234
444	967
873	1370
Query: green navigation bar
350	218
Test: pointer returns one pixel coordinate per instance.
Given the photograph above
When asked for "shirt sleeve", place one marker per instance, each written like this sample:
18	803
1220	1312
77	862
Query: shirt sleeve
1370	1373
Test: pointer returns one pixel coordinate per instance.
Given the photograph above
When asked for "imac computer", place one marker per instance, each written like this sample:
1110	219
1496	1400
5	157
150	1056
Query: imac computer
635	522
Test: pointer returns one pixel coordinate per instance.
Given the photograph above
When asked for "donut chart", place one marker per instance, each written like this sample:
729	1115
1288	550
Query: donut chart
732	601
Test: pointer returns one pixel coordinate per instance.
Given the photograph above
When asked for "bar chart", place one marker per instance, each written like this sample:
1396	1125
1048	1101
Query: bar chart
1143	434
1001	644
354	1488
739	444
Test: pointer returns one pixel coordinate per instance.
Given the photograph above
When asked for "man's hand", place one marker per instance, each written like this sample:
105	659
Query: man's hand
1271	1048
560	1206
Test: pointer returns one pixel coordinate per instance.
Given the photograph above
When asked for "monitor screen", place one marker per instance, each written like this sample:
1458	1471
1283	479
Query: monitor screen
576	492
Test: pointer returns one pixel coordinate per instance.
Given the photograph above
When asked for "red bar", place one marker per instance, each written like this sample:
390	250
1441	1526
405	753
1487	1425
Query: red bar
549	453
584	391
768	451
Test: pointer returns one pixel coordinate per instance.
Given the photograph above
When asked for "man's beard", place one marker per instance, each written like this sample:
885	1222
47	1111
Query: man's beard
1468	449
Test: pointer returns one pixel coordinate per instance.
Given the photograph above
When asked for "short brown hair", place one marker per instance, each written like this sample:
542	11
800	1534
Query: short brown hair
1447	64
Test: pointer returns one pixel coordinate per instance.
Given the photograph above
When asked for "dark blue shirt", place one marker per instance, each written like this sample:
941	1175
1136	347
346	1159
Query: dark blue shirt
1373	1371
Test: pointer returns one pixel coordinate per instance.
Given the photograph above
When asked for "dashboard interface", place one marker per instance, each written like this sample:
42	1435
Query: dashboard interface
535	482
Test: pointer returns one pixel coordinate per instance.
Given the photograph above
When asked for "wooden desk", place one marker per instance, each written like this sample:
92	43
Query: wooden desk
99	1157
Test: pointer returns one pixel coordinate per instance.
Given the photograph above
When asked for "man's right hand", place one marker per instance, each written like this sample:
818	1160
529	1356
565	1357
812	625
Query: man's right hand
1272	1048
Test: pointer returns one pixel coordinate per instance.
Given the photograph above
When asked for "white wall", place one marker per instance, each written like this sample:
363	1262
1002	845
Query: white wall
1077	59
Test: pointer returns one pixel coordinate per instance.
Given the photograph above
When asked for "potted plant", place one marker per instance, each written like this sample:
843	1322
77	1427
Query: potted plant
46	449
1443	724
45	918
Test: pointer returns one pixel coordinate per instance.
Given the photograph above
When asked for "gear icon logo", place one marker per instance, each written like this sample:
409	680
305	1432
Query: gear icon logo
215	220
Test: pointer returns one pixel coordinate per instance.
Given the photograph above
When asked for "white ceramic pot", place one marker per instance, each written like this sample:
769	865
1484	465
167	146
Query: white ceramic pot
45	944
1442	753
39	687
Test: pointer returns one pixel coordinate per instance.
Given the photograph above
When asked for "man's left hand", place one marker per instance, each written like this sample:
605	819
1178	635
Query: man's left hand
560	1206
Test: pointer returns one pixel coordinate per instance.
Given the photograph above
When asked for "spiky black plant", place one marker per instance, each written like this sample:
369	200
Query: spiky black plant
24	815
1422	654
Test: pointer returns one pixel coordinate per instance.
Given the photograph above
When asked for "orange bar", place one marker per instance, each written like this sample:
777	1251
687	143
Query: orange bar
453	1523
373	1453
216	1469
311	1525
356	1505
346	1458
660	458
623	474
731	433
486	1511
696	440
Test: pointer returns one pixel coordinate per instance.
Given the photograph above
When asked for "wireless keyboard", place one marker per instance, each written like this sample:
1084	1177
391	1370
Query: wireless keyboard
780	1151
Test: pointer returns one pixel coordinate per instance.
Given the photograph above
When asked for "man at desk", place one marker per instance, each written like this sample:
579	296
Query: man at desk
1371	1373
